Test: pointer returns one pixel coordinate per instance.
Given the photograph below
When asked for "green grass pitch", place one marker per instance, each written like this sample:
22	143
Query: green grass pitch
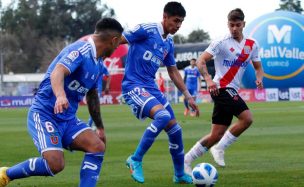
270	153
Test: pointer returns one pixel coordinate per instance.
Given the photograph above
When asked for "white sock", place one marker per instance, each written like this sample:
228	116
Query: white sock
226	140
196	151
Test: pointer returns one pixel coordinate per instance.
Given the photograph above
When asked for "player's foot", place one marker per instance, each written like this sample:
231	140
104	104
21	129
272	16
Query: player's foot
135	169
4	180
185	179
193	113
218	156
186	112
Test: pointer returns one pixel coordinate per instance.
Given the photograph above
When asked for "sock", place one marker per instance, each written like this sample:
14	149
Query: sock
90	122
186	103
32	167
196	151
226	140
176	148
161	119
90	169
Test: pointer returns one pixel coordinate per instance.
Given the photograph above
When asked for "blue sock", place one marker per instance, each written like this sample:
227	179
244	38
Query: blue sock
161	119
90	169
176	149
90	122
32	167
186	103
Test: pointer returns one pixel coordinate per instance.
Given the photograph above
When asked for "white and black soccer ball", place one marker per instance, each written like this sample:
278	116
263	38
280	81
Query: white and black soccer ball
204	175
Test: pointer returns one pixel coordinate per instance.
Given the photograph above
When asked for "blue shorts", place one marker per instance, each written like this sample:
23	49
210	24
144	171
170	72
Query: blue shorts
193	92
49	134
142	99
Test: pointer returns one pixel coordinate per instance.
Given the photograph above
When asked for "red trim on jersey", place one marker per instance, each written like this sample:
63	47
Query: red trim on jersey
229	76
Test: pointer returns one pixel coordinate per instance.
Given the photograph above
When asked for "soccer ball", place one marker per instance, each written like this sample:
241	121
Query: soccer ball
204	175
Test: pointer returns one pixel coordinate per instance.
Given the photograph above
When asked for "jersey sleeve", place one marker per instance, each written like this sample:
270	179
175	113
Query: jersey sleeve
136	34
214	48
71	60
255	57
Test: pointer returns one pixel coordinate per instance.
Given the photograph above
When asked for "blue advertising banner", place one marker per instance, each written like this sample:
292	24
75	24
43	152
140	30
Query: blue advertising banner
280	36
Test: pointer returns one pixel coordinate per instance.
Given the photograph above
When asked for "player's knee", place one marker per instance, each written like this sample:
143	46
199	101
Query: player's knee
163	116
248	121
56	165
97	147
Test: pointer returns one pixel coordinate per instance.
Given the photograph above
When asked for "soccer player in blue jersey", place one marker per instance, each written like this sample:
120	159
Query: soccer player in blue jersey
191	79
104	73
52	120
150	46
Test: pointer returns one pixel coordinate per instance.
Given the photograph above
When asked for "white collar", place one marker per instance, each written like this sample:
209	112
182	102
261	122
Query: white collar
94	52
161	31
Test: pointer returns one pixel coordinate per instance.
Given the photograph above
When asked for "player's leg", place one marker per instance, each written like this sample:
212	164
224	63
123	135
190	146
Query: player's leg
48	141
238	107
176	147
244	116
81	137
144	104
221	119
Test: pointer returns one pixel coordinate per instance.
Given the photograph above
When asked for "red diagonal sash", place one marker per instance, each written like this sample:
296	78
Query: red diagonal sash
228	77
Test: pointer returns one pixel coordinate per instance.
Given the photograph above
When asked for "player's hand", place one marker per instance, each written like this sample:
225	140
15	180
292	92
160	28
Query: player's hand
101	134
194	107
61	104
212	88
259	84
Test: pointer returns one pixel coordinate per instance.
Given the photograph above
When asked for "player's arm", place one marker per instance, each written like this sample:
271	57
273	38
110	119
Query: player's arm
179	83
202	67
93	103
259	73
57	83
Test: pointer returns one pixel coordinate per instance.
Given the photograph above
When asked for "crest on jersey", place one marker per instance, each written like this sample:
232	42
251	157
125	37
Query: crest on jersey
54	139
73	55
247	49
145	93
232	49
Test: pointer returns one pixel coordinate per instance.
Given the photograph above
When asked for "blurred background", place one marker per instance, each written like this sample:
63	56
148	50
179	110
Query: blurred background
32	32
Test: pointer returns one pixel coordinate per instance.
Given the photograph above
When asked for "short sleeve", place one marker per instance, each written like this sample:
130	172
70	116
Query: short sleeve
214	48
255	57
71	60
135	34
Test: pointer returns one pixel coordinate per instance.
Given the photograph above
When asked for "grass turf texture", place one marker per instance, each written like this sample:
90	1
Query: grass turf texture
269	153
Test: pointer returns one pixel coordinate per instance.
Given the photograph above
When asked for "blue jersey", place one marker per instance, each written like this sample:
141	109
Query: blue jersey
104	72
192	75
148	50
80	59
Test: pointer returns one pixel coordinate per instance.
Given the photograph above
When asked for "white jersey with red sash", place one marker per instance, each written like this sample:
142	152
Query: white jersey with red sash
231	59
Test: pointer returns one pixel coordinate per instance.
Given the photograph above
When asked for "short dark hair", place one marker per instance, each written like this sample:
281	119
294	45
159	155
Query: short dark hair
106	24
236	15
193	59
174	8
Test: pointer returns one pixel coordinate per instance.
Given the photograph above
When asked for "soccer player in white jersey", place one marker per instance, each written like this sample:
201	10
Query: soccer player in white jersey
232	54
150	45
192	79
52	120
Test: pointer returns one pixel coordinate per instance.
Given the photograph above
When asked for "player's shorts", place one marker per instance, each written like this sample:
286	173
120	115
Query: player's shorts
193	92
142	99
49	134
226	105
